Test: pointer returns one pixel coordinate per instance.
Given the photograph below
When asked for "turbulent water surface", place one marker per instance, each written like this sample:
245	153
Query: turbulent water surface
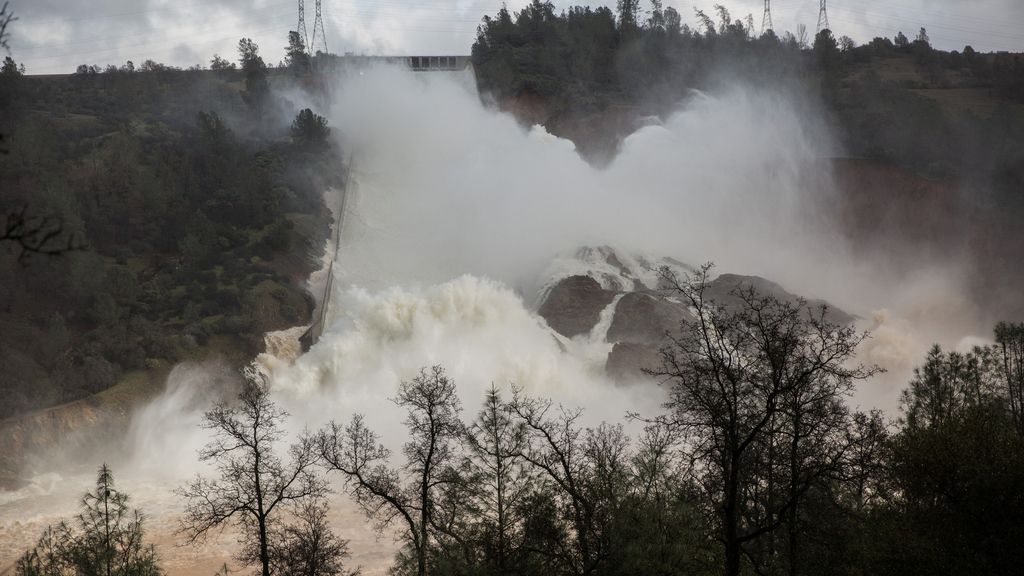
458	222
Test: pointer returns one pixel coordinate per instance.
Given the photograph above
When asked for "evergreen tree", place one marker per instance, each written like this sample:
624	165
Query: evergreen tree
496	441
629	16
106	540
257	89
296	57
10	68
310	131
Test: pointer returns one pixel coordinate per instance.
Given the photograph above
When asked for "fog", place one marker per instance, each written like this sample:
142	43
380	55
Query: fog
456	214
449	187
739	177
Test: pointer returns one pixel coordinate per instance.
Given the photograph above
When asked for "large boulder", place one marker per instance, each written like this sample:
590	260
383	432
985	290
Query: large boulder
573	305
645	318
627	361
584	284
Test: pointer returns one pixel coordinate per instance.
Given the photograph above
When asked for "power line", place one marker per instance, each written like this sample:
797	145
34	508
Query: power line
449	20
175	7
186	39
911	15
882	30
211	26
932	25
396	7
150	53
110	44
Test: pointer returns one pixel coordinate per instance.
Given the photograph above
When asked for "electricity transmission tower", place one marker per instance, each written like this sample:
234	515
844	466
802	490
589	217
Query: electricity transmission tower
823	18
766	22
318	24
301	28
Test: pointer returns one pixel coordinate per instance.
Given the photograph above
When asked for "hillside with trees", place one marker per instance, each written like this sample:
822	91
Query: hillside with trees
584	61
151	215
915	128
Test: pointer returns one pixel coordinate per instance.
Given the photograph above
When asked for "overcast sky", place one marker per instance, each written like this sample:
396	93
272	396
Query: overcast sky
54	36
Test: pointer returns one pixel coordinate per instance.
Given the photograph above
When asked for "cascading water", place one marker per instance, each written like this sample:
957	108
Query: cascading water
457	220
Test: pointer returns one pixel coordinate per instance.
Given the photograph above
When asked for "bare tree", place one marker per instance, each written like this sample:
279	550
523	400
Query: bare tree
863	473
1010	343
254	488
802	36
569	457
44	235
411	494
6	17
761	375
308	546
31	234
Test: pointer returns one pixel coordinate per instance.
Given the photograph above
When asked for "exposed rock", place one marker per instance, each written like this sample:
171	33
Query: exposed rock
722	290
574	305
627	360
645	318
586	283
604	265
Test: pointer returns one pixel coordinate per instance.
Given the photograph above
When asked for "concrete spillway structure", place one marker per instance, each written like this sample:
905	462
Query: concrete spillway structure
461	67
439	63
316	328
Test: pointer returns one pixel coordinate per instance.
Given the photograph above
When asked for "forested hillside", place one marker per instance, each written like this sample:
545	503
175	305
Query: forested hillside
149	215
926	118
889	97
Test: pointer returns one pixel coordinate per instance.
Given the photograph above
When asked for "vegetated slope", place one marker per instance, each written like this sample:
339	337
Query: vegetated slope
887	98
190	213
932	142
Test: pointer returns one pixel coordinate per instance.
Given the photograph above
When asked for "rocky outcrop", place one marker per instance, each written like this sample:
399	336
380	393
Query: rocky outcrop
638	330
574	305
724	291
644	318
646	310
627	361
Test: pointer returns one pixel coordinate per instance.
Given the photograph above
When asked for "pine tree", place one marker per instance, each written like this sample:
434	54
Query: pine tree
107	541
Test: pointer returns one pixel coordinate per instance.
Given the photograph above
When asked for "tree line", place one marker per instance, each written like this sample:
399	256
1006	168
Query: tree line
756	465
617	57
181	207
583	62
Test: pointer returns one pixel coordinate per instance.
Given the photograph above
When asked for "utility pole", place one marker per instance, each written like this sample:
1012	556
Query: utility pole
301	28
318	24
823	18
766	22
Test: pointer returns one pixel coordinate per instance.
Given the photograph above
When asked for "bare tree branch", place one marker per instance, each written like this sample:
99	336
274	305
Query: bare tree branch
44	235
254	485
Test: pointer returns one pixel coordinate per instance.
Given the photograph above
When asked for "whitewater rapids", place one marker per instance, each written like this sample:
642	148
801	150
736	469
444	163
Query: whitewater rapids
456	219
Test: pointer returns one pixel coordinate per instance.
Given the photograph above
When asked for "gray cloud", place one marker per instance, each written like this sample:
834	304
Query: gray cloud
54	36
